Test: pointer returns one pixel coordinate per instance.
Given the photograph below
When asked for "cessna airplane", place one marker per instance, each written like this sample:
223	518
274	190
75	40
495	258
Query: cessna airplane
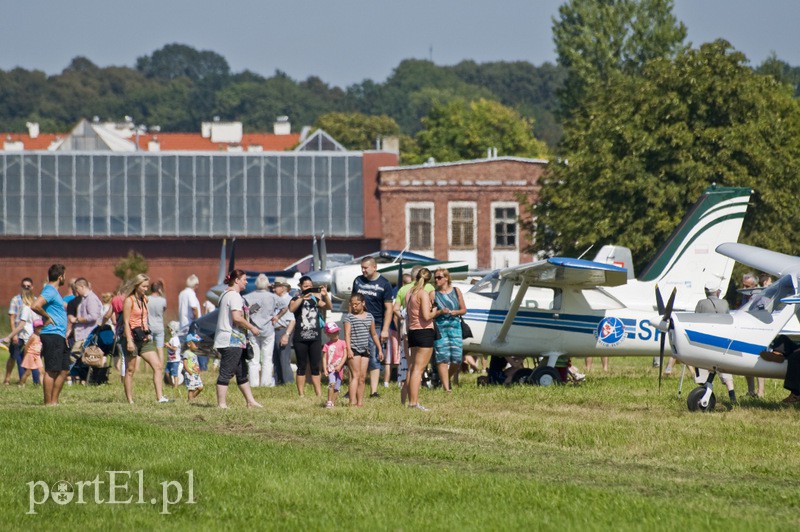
577	307
731	343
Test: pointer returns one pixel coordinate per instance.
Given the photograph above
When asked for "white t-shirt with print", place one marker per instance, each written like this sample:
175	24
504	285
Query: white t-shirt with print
227	334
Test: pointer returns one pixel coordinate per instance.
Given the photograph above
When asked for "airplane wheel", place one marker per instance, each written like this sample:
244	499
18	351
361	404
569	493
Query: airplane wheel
544	376
521	376
693	400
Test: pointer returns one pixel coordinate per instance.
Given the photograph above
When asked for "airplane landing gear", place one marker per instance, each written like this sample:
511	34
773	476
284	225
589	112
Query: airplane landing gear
696	400
702	398
544	376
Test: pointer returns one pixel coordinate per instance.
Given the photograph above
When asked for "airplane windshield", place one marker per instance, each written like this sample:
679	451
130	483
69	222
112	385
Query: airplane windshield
488	286
769	299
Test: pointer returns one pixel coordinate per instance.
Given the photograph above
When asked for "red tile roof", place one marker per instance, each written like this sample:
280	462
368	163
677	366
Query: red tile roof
42	142
172	141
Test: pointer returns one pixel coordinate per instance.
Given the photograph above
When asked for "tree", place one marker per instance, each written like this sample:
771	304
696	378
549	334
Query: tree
131	266
462	130
176	60
781	71
596	39
648	145
357	131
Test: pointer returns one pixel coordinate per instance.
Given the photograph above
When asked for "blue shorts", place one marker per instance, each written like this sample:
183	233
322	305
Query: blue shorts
173	368
374	363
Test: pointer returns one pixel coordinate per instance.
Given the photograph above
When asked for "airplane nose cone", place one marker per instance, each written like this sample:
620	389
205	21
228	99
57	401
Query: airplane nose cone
214	292
320	277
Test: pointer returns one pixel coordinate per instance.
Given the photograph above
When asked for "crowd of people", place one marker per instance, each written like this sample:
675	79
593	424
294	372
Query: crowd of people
398	330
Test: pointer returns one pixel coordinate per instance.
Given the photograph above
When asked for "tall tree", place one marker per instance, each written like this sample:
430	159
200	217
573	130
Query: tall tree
648	145
597	38
176	60
461	130
357	131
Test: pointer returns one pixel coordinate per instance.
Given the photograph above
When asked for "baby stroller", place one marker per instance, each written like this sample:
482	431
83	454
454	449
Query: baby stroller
103	337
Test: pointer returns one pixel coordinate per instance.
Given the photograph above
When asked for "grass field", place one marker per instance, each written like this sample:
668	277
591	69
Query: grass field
612	453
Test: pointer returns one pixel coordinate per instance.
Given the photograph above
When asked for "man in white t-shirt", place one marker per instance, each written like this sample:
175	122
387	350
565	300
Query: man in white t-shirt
188	305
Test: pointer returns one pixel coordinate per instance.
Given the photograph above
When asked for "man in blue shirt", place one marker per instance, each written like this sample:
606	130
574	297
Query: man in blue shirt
377	292
55	352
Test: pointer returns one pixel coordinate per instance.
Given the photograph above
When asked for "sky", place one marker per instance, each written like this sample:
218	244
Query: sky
346	41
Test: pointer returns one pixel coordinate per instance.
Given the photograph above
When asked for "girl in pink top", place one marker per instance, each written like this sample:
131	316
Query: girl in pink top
33	351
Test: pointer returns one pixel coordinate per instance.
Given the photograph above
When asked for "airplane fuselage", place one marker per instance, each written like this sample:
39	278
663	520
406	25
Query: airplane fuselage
595	325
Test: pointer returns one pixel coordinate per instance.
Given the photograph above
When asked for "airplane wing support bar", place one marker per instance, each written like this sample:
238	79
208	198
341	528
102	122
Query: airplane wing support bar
512	312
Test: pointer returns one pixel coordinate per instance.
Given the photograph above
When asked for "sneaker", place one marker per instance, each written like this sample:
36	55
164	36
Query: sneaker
374	395
385	384
329	404
420	407
164	400
792	399
580	377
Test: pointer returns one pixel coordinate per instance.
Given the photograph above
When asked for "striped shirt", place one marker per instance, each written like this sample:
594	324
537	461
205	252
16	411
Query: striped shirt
359	330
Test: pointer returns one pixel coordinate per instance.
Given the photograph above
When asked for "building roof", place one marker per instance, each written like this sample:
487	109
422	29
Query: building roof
97	136
434	165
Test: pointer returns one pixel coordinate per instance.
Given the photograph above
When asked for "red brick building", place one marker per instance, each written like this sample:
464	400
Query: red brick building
465	210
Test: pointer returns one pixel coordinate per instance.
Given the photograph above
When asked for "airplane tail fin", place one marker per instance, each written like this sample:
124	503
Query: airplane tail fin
688	258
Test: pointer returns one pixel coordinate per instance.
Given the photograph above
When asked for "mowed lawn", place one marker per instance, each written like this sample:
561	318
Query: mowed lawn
612	453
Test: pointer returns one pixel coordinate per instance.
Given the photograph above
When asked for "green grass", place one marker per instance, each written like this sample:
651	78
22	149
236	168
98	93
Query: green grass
610	454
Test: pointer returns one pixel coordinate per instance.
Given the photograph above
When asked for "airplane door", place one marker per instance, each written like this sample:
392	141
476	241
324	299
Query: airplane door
537	327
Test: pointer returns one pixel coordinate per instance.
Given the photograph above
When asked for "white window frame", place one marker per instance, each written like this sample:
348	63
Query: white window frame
504	205
420	205
460	205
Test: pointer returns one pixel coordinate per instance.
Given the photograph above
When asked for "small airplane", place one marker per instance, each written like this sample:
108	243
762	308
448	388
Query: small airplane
562	306
731	343
391	264
316	263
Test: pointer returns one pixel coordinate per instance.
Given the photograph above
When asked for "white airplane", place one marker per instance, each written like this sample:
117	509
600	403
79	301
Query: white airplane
731	343
578	307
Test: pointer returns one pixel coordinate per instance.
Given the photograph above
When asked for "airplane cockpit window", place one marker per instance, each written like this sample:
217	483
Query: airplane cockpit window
769	299
488	286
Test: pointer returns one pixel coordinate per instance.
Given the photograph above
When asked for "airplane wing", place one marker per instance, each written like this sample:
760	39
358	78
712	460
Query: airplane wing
771	262
564	272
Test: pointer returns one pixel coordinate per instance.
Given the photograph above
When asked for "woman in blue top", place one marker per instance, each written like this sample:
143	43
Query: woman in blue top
447	350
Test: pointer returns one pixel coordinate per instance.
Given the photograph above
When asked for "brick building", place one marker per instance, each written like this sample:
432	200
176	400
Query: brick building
465	210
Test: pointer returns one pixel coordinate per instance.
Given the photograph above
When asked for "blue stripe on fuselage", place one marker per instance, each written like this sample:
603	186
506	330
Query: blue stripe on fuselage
565	322
726	344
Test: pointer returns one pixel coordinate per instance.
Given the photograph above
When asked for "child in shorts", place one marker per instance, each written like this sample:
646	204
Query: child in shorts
32	351
174	359
334	355
191	367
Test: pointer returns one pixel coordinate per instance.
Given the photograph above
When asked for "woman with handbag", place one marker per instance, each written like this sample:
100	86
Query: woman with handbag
230	340
421	336
138	340
448	348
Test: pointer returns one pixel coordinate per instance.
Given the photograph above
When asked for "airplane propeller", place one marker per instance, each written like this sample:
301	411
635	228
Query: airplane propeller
323	253
659	302
314	254
666	323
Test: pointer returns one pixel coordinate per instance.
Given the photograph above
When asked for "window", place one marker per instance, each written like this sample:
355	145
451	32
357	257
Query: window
419	227
505	226
462	226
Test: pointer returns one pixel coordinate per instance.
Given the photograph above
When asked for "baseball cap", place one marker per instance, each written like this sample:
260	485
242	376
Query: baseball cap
192	337
38	322
281	281
331	328
712	286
